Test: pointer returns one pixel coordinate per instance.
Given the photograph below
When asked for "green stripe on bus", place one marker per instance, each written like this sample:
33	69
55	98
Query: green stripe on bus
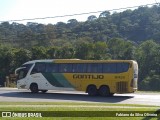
63	81
57	80
52	80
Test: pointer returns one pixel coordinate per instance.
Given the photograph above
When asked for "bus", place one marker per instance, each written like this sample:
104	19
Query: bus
95	77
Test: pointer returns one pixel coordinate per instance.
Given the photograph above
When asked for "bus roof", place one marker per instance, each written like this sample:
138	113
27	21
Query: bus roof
76	61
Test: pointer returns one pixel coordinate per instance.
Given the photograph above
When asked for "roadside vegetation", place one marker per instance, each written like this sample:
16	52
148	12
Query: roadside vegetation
131	34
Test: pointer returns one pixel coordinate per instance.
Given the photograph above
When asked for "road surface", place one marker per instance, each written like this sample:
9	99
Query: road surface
15	95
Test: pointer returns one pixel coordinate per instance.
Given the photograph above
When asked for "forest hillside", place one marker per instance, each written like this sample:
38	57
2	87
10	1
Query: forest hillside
131	34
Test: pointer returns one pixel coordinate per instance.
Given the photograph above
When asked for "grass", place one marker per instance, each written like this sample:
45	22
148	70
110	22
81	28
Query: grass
77	109
71	103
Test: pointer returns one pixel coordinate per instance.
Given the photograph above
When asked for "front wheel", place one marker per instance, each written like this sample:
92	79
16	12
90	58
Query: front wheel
34	88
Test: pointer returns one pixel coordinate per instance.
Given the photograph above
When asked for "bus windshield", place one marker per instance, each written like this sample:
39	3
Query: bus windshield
22	71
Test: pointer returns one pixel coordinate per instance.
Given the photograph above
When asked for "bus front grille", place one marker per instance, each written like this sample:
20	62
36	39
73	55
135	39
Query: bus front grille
121	87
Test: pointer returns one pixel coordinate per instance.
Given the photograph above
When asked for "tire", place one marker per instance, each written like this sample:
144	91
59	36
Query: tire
44	91
34	88
104	91
92	90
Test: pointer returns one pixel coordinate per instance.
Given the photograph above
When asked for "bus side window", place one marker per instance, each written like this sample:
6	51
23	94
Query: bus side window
39	68
109	67
94	68
126	66
52	68
34	70
119	67
79	67
65	67
122	67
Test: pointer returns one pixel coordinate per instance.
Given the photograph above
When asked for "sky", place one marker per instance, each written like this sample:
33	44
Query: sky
29	9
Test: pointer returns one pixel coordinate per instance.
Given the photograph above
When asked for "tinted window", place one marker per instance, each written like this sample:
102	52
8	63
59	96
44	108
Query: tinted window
125	67
22	73
79	67
52	67
65	68
122	67
27	66
119	67
109	67
94	67
39	67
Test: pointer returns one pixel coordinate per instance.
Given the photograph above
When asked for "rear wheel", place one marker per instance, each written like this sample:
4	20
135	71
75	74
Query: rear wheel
104	91
92	90
34	88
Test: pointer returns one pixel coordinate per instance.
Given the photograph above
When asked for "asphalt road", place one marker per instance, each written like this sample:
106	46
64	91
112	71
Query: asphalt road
15	95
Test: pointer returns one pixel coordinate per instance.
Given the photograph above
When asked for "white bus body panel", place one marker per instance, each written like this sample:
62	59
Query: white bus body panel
40	80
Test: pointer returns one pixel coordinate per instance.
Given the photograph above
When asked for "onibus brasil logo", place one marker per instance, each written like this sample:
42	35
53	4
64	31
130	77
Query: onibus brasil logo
21	114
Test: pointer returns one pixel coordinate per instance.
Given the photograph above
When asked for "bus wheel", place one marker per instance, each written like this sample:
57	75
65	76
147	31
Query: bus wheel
92	90
104	91
44	91
34	88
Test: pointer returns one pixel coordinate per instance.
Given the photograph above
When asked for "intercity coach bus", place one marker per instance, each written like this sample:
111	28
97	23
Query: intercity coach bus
95	77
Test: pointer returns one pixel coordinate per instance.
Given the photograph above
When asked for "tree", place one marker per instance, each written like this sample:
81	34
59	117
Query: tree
151	83
51	52
105	14
120	49
100	51
50	30
72	23
21	56
39	52
64	52
92	18
84	50
67	52
6	62
148	58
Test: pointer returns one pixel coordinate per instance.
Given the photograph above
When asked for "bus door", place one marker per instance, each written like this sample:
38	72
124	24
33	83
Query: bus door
21	77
